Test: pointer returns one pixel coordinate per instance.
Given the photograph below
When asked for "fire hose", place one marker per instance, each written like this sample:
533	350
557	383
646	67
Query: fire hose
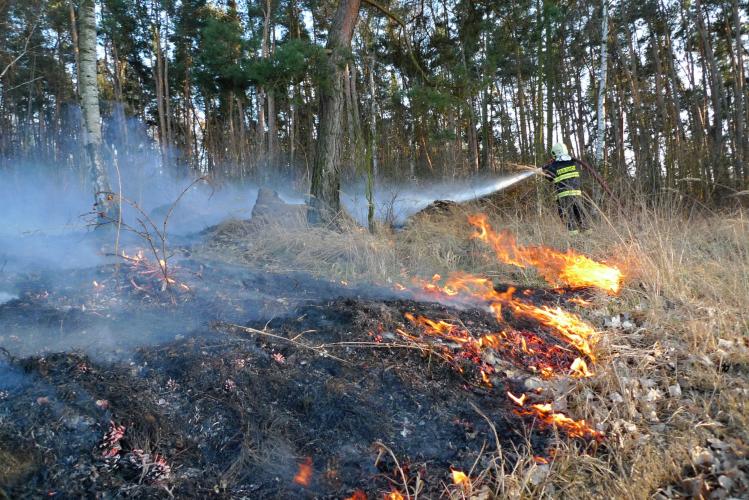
600	181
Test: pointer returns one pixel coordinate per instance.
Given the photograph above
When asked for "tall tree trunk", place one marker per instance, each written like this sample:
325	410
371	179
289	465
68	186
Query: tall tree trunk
486	162
76	48
104	202
159	83
372	170
602	85
260	132
523	122
349	115
355	101
550	84
739	82
580	116
271	97
292	125
187	114
272	129
167	104
325	201
716	94
473	145
261	95
674	89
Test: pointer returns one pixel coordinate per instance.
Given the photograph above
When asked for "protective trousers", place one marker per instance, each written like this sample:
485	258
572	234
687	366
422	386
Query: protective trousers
572	212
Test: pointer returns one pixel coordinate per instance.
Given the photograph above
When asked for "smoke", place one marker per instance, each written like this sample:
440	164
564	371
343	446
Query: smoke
50	252
395	204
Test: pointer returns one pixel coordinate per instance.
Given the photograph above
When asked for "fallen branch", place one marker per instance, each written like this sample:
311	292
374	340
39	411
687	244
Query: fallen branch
322	349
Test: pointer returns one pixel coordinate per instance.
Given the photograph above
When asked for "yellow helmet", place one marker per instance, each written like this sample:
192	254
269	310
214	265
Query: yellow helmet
558	150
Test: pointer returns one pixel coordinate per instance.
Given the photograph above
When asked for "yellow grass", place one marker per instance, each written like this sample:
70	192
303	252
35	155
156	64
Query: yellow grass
687	289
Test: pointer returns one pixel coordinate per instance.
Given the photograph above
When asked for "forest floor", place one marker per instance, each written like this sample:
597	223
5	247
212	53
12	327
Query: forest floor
284	367
671	382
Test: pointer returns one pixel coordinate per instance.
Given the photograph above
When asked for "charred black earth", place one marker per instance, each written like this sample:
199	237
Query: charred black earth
246	385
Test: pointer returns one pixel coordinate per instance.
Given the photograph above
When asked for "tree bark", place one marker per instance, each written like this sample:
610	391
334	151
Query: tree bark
716	94
325	201
103	201
739	80
602	86
272	130
76	48
372	172
159	84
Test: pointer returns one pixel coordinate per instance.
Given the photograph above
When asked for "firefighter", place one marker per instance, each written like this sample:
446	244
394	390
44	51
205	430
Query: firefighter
564	172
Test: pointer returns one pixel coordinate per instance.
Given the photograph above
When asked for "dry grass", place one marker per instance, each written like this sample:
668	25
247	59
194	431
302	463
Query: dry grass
660	390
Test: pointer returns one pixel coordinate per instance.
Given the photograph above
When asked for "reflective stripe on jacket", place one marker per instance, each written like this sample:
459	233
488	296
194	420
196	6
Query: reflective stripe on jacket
569	192
565	174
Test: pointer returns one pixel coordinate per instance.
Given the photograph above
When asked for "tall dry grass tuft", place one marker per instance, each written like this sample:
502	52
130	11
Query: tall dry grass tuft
664	389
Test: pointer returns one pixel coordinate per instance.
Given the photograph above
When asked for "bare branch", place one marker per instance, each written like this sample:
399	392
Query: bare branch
23	52
395	17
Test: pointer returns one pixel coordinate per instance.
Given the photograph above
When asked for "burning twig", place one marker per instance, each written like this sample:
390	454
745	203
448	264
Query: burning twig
148	231
383	447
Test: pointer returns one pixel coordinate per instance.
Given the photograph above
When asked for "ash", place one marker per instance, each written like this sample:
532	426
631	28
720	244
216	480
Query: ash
227	386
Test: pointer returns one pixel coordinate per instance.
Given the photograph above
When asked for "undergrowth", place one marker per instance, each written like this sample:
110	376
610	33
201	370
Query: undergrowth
670	393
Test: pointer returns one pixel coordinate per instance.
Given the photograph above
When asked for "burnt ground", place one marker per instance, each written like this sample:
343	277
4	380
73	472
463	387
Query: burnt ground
212	410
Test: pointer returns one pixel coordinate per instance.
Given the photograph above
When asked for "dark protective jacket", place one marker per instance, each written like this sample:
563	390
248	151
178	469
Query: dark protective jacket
565	174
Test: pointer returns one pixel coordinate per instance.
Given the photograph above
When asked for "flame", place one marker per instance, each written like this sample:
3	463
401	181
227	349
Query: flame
520	401
460	478
394	495
161	271
579	369
569	268
467	289
524	349
440	328
579	301
544	413
358	495
304	475
533	351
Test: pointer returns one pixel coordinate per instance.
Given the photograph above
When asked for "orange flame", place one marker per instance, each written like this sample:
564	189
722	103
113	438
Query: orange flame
465	288
460	478
556	267
544	413
304	475
579	369
358	495
520	401
528	349
579	301
393	495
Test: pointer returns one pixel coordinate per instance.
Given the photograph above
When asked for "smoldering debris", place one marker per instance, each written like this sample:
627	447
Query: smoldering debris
132	388
142	371
239	413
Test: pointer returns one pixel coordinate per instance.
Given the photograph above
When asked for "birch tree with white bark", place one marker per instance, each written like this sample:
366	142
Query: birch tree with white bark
601	112
104	203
